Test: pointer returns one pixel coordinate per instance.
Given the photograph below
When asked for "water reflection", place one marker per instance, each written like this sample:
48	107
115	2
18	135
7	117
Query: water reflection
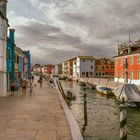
102	115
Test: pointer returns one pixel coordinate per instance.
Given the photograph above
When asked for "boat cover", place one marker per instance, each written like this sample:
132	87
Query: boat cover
127	93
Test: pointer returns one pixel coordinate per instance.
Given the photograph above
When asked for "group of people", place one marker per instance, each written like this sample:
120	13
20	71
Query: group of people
24	85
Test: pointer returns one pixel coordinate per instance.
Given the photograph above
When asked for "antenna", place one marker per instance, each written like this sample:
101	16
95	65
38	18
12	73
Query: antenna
129	38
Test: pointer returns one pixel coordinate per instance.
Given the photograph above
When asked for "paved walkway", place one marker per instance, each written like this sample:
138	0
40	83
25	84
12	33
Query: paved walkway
36	117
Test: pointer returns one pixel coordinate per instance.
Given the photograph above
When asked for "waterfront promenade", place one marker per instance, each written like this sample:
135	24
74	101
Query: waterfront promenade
36	117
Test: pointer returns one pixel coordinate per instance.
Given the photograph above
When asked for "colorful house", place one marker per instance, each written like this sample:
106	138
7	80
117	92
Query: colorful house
19	67
10	58
127	62
65	68
58	69
104	68
3	44
27	64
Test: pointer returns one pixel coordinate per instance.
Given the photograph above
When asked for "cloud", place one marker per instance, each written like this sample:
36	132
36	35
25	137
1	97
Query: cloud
60	29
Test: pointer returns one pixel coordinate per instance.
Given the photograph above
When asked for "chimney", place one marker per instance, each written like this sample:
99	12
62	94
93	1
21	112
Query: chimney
12	35
3	7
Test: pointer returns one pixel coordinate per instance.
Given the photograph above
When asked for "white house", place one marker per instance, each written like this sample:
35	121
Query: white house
84	66
3	44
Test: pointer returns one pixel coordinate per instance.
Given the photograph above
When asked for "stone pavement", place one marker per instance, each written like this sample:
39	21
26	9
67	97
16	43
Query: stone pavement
36	117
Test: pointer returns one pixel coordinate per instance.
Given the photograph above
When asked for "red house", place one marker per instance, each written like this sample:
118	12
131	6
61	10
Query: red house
128	61
104	67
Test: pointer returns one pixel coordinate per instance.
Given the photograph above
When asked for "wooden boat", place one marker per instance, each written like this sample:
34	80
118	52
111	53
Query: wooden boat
82	84
128	93
70	95
104	90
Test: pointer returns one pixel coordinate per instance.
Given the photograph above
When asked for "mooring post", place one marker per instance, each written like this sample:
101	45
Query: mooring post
123	122
85	109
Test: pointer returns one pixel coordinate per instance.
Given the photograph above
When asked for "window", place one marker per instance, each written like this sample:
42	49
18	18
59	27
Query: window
121	61
91	67
83	73
8	54
116	62
107	67
102	73
131	60
96	67
121	74
90	73
139	75
96	74
138	59
131	75
17	59
102	67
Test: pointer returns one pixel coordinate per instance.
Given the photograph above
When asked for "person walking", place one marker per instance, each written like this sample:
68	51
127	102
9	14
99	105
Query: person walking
24	86
30	88
12	88
40	81
32	79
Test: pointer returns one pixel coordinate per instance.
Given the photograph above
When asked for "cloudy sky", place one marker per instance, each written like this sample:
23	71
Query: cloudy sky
56	30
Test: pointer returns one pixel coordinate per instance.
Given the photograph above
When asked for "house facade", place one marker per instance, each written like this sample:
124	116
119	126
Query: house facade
127	63
65	68
85	67
27	64
104	68
58	69
10	58
3	44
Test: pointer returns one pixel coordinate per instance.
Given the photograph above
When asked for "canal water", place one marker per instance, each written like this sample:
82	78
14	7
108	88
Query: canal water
102	115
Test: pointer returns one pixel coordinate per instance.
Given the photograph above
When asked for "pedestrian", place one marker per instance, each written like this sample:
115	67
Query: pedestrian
32	78
30	88
12	88
40	81
24	86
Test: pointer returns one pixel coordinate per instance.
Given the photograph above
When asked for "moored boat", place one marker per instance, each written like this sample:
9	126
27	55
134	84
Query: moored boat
104	90
128	93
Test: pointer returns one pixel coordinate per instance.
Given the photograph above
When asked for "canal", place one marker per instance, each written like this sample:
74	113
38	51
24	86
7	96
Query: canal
102	115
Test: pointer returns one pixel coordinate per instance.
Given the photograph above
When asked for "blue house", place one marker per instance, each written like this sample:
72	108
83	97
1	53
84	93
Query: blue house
28	55
10	52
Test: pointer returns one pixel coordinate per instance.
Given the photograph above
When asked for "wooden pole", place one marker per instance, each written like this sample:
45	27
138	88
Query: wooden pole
123	122
85	111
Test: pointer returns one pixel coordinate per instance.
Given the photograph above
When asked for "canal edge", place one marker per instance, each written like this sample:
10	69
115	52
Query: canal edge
74	127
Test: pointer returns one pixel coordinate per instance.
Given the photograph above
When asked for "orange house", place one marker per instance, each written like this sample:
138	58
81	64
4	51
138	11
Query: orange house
104	68
128	59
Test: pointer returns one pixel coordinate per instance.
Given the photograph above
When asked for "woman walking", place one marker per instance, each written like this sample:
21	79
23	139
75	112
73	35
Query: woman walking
12	88
24	86
30	88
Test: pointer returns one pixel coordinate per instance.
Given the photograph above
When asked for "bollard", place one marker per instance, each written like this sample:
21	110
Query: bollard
85	111
123	122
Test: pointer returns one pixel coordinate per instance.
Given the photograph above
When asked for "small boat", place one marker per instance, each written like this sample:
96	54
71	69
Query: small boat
70	95
82	84
104	90
128	93
91	86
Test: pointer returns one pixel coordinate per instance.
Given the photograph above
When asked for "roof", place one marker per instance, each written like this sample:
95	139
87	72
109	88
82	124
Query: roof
87	57
19	51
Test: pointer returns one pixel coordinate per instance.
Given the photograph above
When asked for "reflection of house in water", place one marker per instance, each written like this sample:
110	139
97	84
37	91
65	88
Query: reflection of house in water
128	59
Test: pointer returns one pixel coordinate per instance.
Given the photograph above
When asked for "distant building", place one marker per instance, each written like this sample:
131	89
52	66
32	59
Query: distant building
28	57
80	67
65	68
3	44
127	62
104	68
37	69
58	69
